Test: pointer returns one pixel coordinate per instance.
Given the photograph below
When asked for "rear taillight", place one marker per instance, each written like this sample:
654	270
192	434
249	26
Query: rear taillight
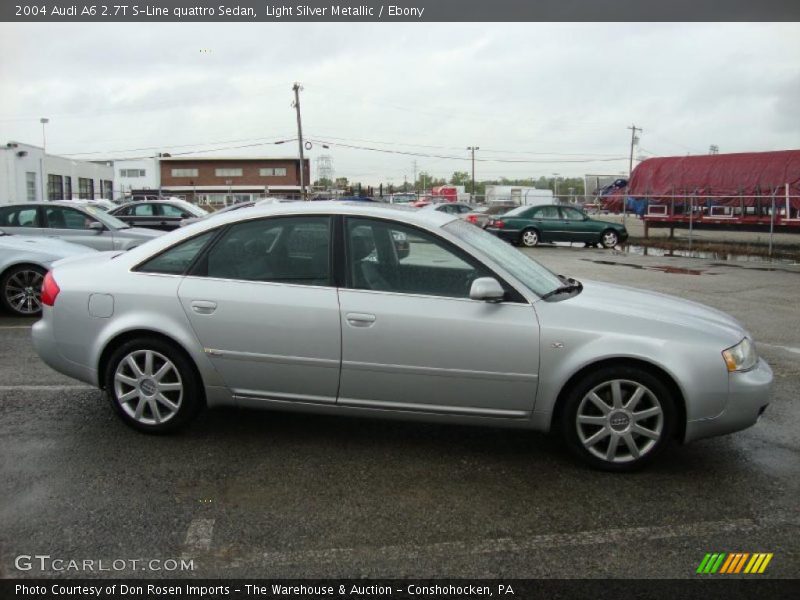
50	290
499	224
472	218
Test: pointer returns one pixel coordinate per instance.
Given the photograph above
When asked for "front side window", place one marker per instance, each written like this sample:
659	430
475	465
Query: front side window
546	212
61	217
176	260
18	216
292	250
390	257
168	210
571	213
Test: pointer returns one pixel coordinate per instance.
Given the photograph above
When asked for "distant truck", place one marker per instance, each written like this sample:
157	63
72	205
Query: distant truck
518	195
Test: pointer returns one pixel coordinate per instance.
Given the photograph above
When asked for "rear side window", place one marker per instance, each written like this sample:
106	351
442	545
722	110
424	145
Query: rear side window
292	250
143	210
19	216
176	260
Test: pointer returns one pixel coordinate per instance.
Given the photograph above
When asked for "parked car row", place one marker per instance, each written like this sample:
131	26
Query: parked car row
353	309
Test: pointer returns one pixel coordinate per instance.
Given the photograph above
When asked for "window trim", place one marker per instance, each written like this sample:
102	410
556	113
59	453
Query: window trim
513	295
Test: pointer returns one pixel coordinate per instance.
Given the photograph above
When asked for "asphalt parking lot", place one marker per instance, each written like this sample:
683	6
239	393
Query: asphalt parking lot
260	494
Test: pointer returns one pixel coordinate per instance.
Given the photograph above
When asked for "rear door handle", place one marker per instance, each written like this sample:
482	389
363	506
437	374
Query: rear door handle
203	307
360	319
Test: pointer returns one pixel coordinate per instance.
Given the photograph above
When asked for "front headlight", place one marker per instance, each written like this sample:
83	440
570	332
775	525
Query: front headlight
741	357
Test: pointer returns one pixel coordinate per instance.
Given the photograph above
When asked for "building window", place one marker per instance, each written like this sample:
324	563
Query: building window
30	186
132	173
228	172
276	172
107	189
85	188
68	187
184	172
54	187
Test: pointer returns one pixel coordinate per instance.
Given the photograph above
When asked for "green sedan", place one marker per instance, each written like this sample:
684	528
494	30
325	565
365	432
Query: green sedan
530	225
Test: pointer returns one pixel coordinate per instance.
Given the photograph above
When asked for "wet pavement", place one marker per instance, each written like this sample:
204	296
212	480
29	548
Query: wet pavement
266	494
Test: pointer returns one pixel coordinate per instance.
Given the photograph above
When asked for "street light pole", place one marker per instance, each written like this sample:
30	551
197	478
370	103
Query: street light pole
555	186
296	88
44	121
472	150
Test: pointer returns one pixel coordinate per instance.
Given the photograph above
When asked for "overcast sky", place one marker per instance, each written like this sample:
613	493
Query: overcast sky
551	94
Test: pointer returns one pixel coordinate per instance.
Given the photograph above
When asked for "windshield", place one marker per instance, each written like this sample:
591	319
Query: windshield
192	209
106	219
517	211
530	273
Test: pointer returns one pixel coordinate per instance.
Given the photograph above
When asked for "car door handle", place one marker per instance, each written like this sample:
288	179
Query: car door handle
203	307
360	319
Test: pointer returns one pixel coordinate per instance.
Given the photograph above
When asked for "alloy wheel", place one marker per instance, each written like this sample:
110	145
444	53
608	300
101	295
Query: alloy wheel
23	292
148	387
530	238
610	239
619	421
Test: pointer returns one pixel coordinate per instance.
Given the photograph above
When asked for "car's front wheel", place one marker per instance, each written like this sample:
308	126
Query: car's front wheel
609	239
529	238
618	418
152	385
21	288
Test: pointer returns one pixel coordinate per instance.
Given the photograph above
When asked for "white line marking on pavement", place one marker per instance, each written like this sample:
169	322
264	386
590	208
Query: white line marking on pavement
787	348
703	529
43	388
198	536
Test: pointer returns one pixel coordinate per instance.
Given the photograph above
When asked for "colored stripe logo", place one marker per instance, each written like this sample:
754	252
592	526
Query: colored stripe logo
734	562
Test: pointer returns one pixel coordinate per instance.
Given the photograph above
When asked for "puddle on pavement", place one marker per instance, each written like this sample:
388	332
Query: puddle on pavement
726	256
661	268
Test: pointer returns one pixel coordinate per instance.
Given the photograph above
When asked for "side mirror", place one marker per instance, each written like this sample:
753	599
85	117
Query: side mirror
96	226
487	289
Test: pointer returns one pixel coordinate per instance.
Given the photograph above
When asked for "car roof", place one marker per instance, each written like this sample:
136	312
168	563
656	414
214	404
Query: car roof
430	219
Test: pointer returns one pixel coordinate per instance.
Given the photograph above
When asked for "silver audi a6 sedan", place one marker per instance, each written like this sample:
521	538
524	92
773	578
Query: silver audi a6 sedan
73	222
23	263
312	307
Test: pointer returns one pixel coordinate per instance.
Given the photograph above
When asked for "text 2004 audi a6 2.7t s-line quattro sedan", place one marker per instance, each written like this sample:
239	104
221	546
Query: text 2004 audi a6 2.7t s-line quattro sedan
310	306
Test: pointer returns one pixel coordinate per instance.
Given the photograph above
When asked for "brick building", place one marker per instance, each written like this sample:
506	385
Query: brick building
208	180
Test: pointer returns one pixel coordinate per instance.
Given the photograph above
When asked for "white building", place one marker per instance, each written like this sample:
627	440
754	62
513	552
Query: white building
136	174
515	194
27	174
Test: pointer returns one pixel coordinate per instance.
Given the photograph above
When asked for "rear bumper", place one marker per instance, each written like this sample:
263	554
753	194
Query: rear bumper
509	235
748	397
45	345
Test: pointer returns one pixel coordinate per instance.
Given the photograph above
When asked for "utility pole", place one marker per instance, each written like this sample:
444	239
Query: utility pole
296	88
42	164
634	141
415	176
472	150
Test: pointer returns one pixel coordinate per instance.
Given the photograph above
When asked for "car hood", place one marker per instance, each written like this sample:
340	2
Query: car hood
618	303
138	233
52	246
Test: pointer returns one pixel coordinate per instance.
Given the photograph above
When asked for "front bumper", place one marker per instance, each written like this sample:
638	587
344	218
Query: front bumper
748	397
509	235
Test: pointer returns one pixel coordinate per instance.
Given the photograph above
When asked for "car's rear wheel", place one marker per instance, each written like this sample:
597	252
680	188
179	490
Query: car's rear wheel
609	238
529	238
152	385
618	418
21	288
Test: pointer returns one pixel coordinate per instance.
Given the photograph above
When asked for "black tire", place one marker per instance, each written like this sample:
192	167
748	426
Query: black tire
578	436
189	401
609	239
21	290
529	237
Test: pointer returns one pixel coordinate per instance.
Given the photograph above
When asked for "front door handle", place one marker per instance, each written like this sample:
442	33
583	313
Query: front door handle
360	319
203	307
